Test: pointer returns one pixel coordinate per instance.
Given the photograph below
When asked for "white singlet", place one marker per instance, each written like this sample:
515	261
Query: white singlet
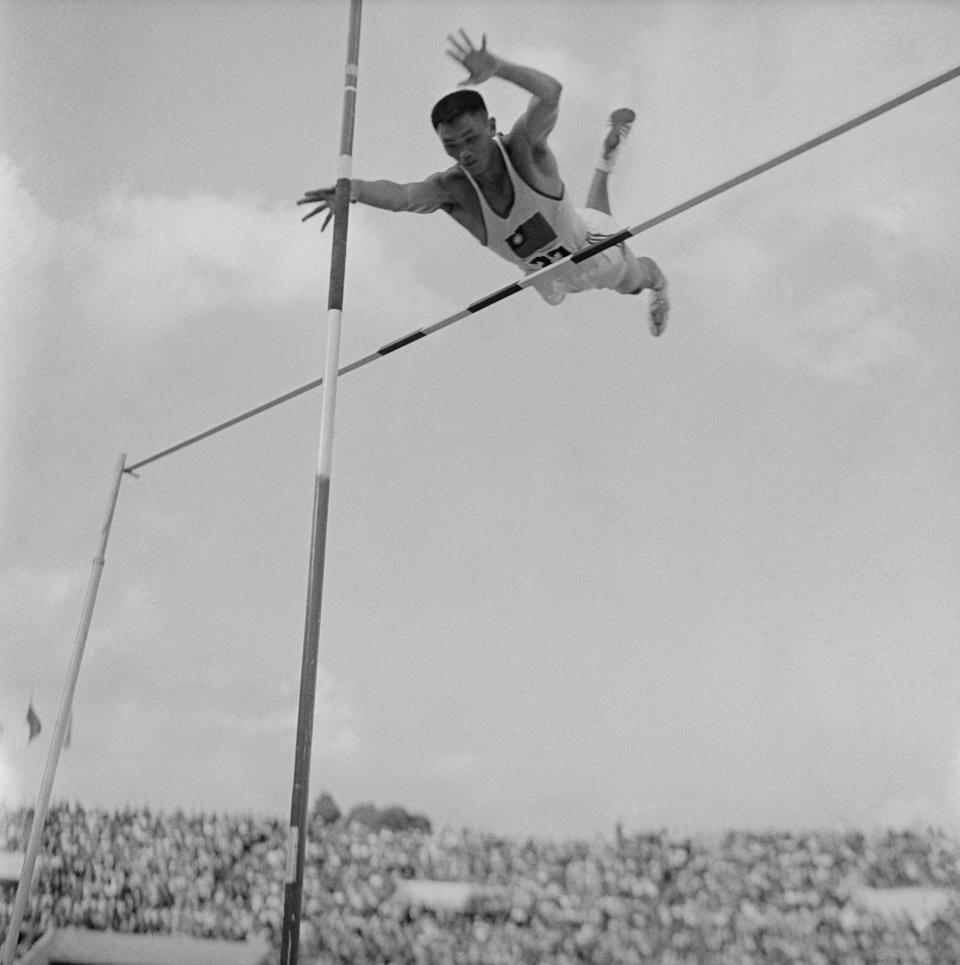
539	230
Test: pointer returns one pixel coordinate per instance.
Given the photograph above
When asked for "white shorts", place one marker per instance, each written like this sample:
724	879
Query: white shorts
603	270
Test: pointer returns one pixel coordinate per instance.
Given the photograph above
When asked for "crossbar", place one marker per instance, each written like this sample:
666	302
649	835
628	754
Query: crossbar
616	239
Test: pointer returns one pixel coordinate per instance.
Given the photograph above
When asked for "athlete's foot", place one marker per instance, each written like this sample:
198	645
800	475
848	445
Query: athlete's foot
653	295
658	308
621	120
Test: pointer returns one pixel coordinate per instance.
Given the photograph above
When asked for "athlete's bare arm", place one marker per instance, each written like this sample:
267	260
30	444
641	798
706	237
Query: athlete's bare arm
527	140
420	197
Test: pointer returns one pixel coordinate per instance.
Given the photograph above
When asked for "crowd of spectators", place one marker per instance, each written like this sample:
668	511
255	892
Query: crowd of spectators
774	897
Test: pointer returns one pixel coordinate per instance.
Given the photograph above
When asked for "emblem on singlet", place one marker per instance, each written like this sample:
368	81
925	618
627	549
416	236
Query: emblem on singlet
535	233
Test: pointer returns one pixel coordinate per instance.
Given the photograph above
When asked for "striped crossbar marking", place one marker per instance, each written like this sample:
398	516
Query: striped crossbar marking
471	309
401	342
615	239
479	306
608	242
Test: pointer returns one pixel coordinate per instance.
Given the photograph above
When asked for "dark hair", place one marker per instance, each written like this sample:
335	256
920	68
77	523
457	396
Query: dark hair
455	105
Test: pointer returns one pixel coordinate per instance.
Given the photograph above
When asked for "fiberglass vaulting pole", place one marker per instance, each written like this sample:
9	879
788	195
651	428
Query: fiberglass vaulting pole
60	728
297	834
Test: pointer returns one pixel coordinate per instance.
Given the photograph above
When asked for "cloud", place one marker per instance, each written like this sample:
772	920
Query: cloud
136	263
159	262
39	609
456	765
25	242
134	612
818	290
24	589
336	731
142	266
835	264
577	75
337	728
154	263
101	299
135	316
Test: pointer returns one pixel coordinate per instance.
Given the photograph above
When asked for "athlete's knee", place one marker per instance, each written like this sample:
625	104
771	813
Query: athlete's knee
635	277
648	271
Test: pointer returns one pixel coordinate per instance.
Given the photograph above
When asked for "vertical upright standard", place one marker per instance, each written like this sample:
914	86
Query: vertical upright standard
297	834
60	728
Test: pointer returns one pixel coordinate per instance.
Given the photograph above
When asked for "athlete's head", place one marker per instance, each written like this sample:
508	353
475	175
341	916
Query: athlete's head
457	104
465	129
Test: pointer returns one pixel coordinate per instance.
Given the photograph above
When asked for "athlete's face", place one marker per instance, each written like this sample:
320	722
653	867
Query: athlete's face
468	139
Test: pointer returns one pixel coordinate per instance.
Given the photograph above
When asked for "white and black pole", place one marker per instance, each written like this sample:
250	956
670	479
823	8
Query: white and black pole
299	807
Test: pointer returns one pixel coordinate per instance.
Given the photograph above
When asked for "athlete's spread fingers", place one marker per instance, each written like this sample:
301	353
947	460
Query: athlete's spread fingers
455	43
471	48
322	195
316	211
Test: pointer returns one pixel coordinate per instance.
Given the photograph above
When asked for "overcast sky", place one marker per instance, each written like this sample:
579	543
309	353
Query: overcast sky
575	574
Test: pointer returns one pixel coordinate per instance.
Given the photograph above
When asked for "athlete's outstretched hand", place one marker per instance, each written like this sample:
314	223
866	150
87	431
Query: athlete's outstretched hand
323	198
481	64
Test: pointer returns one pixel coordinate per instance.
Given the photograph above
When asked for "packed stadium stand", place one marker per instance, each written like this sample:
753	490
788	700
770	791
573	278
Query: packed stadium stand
379	890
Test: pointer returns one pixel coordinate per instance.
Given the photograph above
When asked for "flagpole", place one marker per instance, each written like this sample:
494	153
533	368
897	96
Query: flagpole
60	728
297	832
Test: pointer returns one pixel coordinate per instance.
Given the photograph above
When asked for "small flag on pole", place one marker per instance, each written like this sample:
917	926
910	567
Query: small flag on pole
33	722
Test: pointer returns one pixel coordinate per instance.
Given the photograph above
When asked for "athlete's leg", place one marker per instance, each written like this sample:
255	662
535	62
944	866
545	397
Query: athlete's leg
642	274
597	196
619	124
